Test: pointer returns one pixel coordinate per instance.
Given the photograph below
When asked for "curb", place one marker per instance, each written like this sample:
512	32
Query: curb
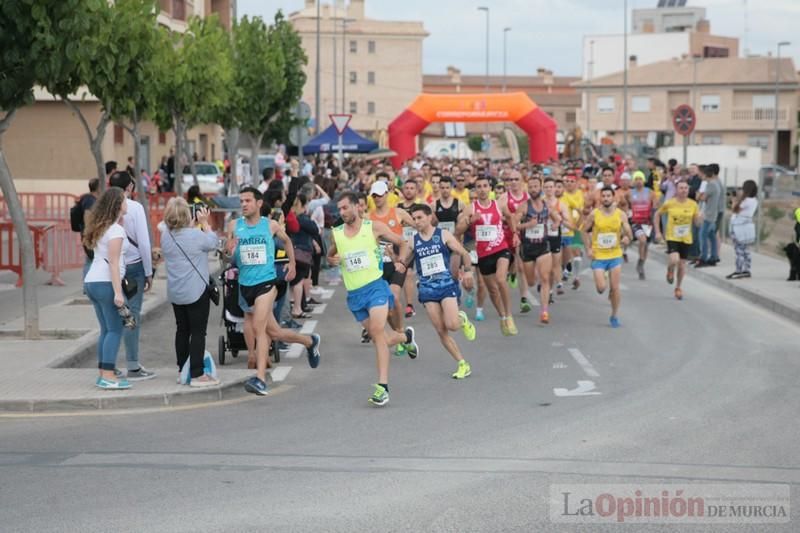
230	389
736	289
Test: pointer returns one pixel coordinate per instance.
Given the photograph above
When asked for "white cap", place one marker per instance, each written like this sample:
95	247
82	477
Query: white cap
379	188
625	176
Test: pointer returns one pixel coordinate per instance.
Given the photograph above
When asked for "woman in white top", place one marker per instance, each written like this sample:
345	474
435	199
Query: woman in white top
103	282
743	230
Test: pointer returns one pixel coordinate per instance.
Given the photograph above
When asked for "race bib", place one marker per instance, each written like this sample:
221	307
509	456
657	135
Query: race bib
536	233
486	233
681	231
253	254
606	240
387	258
432	264
356	261
552	229
449	226
408	233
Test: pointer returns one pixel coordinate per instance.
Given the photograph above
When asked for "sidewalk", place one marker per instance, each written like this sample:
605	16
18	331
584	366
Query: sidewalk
767	288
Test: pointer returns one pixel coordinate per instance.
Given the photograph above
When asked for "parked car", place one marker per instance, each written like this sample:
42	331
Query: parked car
772	176
209	178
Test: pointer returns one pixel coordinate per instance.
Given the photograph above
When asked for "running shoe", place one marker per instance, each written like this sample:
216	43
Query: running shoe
640	268
256	386
551	300
412	348
313	350
463	371
379	396
365	338
109	384
734	275
544	317
670	275
140	374
678	293
410	311
512	280
504	327
469	301
400	350
565	275
560	289
512	328
467	327
524	305
479	316
614	321
746	274
576	283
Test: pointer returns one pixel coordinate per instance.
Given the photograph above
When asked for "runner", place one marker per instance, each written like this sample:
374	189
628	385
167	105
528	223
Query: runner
536	255
410	197
681	213
554	230
604	228
252	247
355	249
621	200
570	239
447	209
640	199
514	197
486	218
438	290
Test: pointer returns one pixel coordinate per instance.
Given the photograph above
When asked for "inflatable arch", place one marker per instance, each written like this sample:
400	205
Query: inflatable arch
498	107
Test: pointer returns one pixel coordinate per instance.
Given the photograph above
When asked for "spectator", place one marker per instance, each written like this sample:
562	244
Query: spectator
797	225
86	202
105	236
129	168
743	231
138	267
709	252
111	167
185	249
303	242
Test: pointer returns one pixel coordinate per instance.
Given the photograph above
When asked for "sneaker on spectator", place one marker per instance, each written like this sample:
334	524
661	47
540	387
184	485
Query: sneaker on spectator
140	374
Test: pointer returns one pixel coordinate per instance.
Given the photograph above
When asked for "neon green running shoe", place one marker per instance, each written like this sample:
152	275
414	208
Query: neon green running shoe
524	305
467	327
512	328
379	396
400	350
464	370
512	280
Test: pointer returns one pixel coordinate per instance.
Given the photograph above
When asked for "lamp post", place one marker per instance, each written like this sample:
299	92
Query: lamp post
777	81
316	79
335	82
505	63
695	60
589	92
486	9
625	80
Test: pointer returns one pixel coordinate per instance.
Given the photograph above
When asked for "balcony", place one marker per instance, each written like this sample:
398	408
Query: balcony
757	114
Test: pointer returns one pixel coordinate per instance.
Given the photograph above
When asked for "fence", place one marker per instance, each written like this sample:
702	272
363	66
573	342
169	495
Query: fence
10	257
41	206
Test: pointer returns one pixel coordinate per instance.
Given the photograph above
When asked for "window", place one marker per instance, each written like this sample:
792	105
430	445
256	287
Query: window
371	47
712	139
353	107
763	101
605	104
709	103
570	116
353	47
353	77
759	141
640	104
371	78
162	137
119	135
371	108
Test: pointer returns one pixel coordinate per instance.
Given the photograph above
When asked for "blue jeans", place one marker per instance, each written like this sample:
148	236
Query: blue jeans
131	336
694	249
101	294
708	241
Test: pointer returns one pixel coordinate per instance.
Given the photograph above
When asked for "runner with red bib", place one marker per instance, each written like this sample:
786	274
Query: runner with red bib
641	202
486	220
517	196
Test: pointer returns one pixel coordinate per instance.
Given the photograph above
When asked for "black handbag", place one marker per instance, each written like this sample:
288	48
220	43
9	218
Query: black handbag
212	290
129	287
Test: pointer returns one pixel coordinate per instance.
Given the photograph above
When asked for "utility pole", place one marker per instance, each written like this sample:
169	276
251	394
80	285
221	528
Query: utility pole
335	81
316	79
345	78
505	61
777	81
486	9
625	82
589	92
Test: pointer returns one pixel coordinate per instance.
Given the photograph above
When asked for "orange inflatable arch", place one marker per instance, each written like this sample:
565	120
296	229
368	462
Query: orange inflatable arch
498	107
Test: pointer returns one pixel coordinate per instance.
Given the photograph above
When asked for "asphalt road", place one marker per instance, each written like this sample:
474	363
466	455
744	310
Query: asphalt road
698	391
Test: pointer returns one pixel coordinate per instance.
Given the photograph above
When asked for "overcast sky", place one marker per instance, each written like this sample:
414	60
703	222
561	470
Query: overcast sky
548	33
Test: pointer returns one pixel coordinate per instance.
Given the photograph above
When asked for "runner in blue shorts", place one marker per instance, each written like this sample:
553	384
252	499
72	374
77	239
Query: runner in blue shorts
438	291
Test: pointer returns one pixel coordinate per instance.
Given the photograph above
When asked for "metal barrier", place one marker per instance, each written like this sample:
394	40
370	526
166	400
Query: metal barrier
42	206
62	250
10	257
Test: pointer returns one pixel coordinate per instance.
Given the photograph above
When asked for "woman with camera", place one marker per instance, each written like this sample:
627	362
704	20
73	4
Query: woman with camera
185	249
103	282
743	229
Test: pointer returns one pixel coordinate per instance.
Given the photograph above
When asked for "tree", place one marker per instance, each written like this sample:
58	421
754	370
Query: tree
193	73
36	47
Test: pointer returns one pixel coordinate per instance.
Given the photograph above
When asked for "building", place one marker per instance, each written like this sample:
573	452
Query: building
48	150
667	17
369	68
734	99
554	94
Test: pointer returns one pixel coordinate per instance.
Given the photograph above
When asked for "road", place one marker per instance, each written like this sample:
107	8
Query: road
700	391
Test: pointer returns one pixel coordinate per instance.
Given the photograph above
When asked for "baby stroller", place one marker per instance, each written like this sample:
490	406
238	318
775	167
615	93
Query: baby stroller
233	319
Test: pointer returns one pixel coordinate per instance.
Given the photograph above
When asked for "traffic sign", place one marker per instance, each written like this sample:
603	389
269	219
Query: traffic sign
340	122
684	120
298	135
302	111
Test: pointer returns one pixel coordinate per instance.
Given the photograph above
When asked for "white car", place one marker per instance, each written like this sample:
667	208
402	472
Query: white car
209	178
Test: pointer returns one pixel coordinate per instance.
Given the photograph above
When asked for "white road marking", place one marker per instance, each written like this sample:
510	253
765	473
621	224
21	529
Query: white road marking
584	388
279	374
295	351
319	309
334	282
325	294
585	364
623	287
309	327
558	344
559	365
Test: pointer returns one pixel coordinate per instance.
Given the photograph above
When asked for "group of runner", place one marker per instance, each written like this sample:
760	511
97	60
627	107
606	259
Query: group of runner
427	240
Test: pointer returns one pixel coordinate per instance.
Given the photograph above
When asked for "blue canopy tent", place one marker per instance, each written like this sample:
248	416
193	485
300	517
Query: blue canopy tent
328	142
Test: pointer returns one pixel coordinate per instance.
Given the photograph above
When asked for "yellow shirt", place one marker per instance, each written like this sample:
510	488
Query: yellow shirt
427	189
680	217
574	202
462	196
606	233
393	200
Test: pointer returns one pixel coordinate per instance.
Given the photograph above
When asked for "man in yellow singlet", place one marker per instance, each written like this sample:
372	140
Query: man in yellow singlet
681	213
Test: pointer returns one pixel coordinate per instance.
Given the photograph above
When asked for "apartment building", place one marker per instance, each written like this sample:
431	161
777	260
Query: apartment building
48	150
734	99
369	68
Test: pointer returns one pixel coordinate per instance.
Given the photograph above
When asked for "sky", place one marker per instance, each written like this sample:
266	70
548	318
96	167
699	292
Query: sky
549	33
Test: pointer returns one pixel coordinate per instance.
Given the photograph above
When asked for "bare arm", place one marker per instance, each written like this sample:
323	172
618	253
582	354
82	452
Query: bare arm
333	255
465	275
279	232
464	220
114	259
586	233
382	231
626	228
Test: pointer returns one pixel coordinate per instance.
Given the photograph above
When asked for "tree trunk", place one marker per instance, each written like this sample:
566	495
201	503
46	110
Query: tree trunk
179	127
255	147
95	140
189	157
232	138
143	195
24	239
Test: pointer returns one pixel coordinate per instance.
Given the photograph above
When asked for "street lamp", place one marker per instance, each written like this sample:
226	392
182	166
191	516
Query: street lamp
486	9
695	60
777	81
505	65
345	48
316	79
589	92
625	80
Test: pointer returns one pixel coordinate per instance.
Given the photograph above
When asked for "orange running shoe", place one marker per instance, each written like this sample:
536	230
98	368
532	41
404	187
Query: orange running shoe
544	317
678	293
